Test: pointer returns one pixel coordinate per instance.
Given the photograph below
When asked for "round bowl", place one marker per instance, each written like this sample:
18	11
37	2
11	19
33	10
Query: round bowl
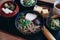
48	22
22	3
15	11
25	12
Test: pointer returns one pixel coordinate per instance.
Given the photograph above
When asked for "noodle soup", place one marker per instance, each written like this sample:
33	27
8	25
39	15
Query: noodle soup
28	23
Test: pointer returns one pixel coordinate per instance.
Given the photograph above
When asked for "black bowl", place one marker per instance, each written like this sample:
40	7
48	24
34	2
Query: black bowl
40	18
48	21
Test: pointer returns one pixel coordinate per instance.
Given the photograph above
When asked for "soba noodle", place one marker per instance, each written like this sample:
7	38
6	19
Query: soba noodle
28	26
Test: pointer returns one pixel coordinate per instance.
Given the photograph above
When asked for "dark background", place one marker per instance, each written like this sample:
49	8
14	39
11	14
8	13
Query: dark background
8	24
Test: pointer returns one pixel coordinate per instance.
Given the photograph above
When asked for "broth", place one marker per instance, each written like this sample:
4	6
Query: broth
58	6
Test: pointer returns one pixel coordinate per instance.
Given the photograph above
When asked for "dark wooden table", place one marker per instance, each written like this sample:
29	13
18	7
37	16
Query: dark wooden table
7	36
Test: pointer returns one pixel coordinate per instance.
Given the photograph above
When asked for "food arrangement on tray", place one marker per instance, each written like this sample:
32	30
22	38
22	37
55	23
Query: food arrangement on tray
31	21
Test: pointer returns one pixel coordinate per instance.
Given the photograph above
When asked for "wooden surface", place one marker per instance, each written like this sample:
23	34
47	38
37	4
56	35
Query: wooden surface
6	36
49	1
47	34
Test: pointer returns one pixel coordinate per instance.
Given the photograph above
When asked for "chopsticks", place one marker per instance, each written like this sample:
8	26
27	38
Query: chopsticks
48	35
55	16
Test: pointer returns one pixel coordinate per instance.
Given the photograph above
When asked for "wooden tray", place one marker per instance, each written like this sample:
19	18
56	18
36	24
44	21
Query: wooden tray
9	26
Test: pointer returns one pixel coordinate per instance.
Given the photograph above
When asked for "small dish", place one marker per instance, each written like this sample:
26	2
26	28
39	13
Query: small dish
53	23
9	9
28	3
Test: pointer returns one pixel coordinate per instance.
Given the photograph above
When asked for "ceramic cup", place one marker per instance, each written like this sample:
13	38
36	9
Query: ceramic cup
57	7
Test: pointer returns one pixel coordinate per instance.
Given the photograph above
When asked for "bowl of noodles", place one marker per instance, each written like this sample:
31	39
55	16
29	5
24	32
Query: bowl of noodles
28	22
